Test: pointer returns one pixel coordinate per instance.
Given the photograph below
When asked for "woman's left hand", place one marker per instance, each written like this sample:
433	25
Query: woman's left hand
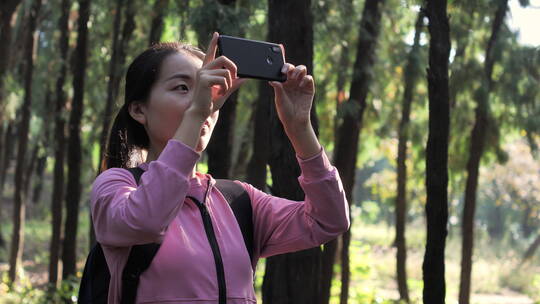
294	98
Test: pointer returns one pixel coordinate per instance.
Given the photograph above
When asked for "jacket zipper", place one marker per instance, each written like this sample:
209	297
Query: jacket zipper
210	234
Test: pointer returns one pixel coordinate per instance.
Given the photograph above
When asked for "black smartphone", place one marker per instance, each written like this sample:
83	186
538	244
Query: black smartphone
254	59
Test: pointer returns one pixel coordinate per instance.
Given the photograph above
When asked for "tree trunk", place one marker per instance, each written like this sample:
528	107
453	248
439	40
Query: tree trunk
40	171
220	147
73	193
29	170
411	76
437	153
160	7
19	199
294	277
330	248
532	249
59	148
477	144
7	8
9	141
348	135
183	6
256	171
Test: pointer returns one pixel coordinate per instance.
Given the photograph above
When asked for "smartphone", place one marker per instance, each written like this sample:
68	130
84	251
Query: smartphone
254	59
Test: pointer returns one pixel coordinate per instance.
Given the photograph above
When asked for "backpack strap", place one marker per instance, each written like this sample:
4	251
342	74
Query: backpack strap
240	203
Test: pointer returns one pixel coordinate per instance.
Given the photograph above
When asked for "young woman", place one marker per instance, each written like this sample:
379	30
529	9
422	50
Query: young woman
172	101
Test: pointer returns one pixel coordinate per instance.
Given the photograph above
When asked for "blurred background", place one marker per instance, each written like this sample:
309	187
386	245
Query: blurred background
62	64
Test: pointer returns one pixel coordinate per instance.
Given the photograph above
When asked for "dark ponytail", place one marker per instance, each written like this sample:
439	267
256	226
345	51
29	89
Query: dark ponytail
128	138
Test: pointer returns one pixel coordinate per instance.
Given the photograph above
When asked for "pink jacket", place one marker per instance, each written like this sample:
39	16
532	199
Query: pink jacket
183	270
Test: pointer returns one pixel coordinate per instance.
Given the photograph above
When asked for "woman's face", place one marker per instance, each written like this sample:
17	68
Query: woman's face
169	98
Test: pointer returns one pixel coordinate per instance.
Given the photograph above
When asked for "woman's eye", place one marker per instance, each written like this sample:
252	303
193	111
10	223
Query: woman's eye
181	87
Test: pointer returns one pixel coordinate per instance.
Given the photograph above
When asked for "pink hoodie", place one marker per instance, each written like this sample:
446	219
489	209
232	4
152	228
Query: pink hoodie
183	270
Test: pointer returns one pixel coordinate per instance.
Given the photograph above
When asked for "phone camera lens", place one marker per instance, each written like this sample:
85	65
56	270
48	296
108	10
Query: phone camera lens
276	49
269	60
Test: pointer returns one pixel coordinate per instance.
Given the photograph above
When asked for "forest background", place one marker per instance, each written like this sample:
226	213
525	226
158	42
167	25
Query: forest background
376	112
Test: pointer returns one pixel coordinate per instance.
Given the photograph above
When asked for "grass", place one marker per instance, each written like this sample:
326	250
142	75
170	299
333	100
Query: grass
495	270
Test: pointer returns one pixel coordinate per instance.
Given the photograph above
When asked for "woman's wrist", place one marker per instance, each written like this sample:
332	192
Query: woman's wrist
303	139
190	128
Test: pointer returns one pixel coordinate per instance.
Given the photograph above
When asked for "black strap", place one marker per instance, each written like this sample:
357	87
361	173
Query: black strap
240	203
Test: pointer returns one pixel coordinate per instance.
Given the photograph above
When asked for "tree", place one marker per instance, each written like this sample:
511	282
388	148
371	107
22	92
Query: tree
411	76
345	153
7	8
59	146
160	7
477	145
437	153
293	277
17	240
73	193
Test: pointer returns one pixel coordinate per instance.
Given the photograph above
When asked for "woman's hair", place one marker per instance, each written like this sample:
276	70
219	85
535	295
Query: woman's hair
128	137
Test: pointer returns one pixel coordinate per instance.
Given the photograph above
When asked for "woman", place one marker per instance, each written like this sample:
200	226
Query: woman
173	96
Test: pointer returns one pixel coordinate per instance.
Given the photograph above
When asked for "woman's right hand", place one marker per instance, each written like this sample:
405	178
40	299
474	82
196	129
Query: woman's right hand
215	81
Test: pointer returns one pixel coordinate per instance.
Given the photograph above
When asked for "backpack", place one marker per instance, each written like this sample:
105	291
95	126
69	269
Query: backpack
94	286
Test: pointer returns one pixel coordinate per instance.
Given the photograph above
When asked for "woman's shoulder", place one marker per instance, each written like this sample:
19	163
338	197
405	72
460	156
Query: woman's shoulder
112	177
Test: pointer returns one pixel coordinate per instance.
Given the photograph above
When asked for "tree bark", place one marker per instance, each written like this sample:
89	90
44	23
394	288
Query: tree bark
330	248
293	277
73	193
183	6
532	249
411	76
30	170
160	6
220	147
19	199
437	153
256	171
9	142
476	149
346	150
59	148
7	8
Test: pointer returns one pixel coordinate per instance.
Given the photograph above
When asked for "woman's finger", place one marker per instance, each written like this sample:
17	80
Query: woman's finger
223	62
286	68
299	72
220	81
211	51
223	73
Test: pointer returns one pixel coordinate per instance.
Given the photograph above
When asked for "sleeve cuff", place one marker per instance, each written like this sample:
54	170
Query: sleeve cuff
179	156
315	167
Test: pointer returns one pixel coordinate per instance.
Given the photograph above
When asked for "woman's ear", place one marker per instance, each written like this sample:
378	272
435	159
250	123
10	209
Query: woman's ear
137	111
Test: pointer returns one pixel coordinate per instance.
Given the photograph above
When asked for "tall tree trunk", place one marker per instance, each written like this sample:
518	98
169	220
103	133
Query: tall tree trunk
437	153
160	7
532	249
220	147
9	141
411	76
73	193
19	199
59	148
30	170
330	248
476	149
120	41
256	170
7	8
293	277
183	6
40	171
348	136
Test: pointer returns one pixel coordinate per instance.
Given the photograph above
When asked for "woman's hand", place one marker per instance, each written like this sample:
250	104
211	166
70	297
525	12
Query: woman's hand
215	81
294	99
